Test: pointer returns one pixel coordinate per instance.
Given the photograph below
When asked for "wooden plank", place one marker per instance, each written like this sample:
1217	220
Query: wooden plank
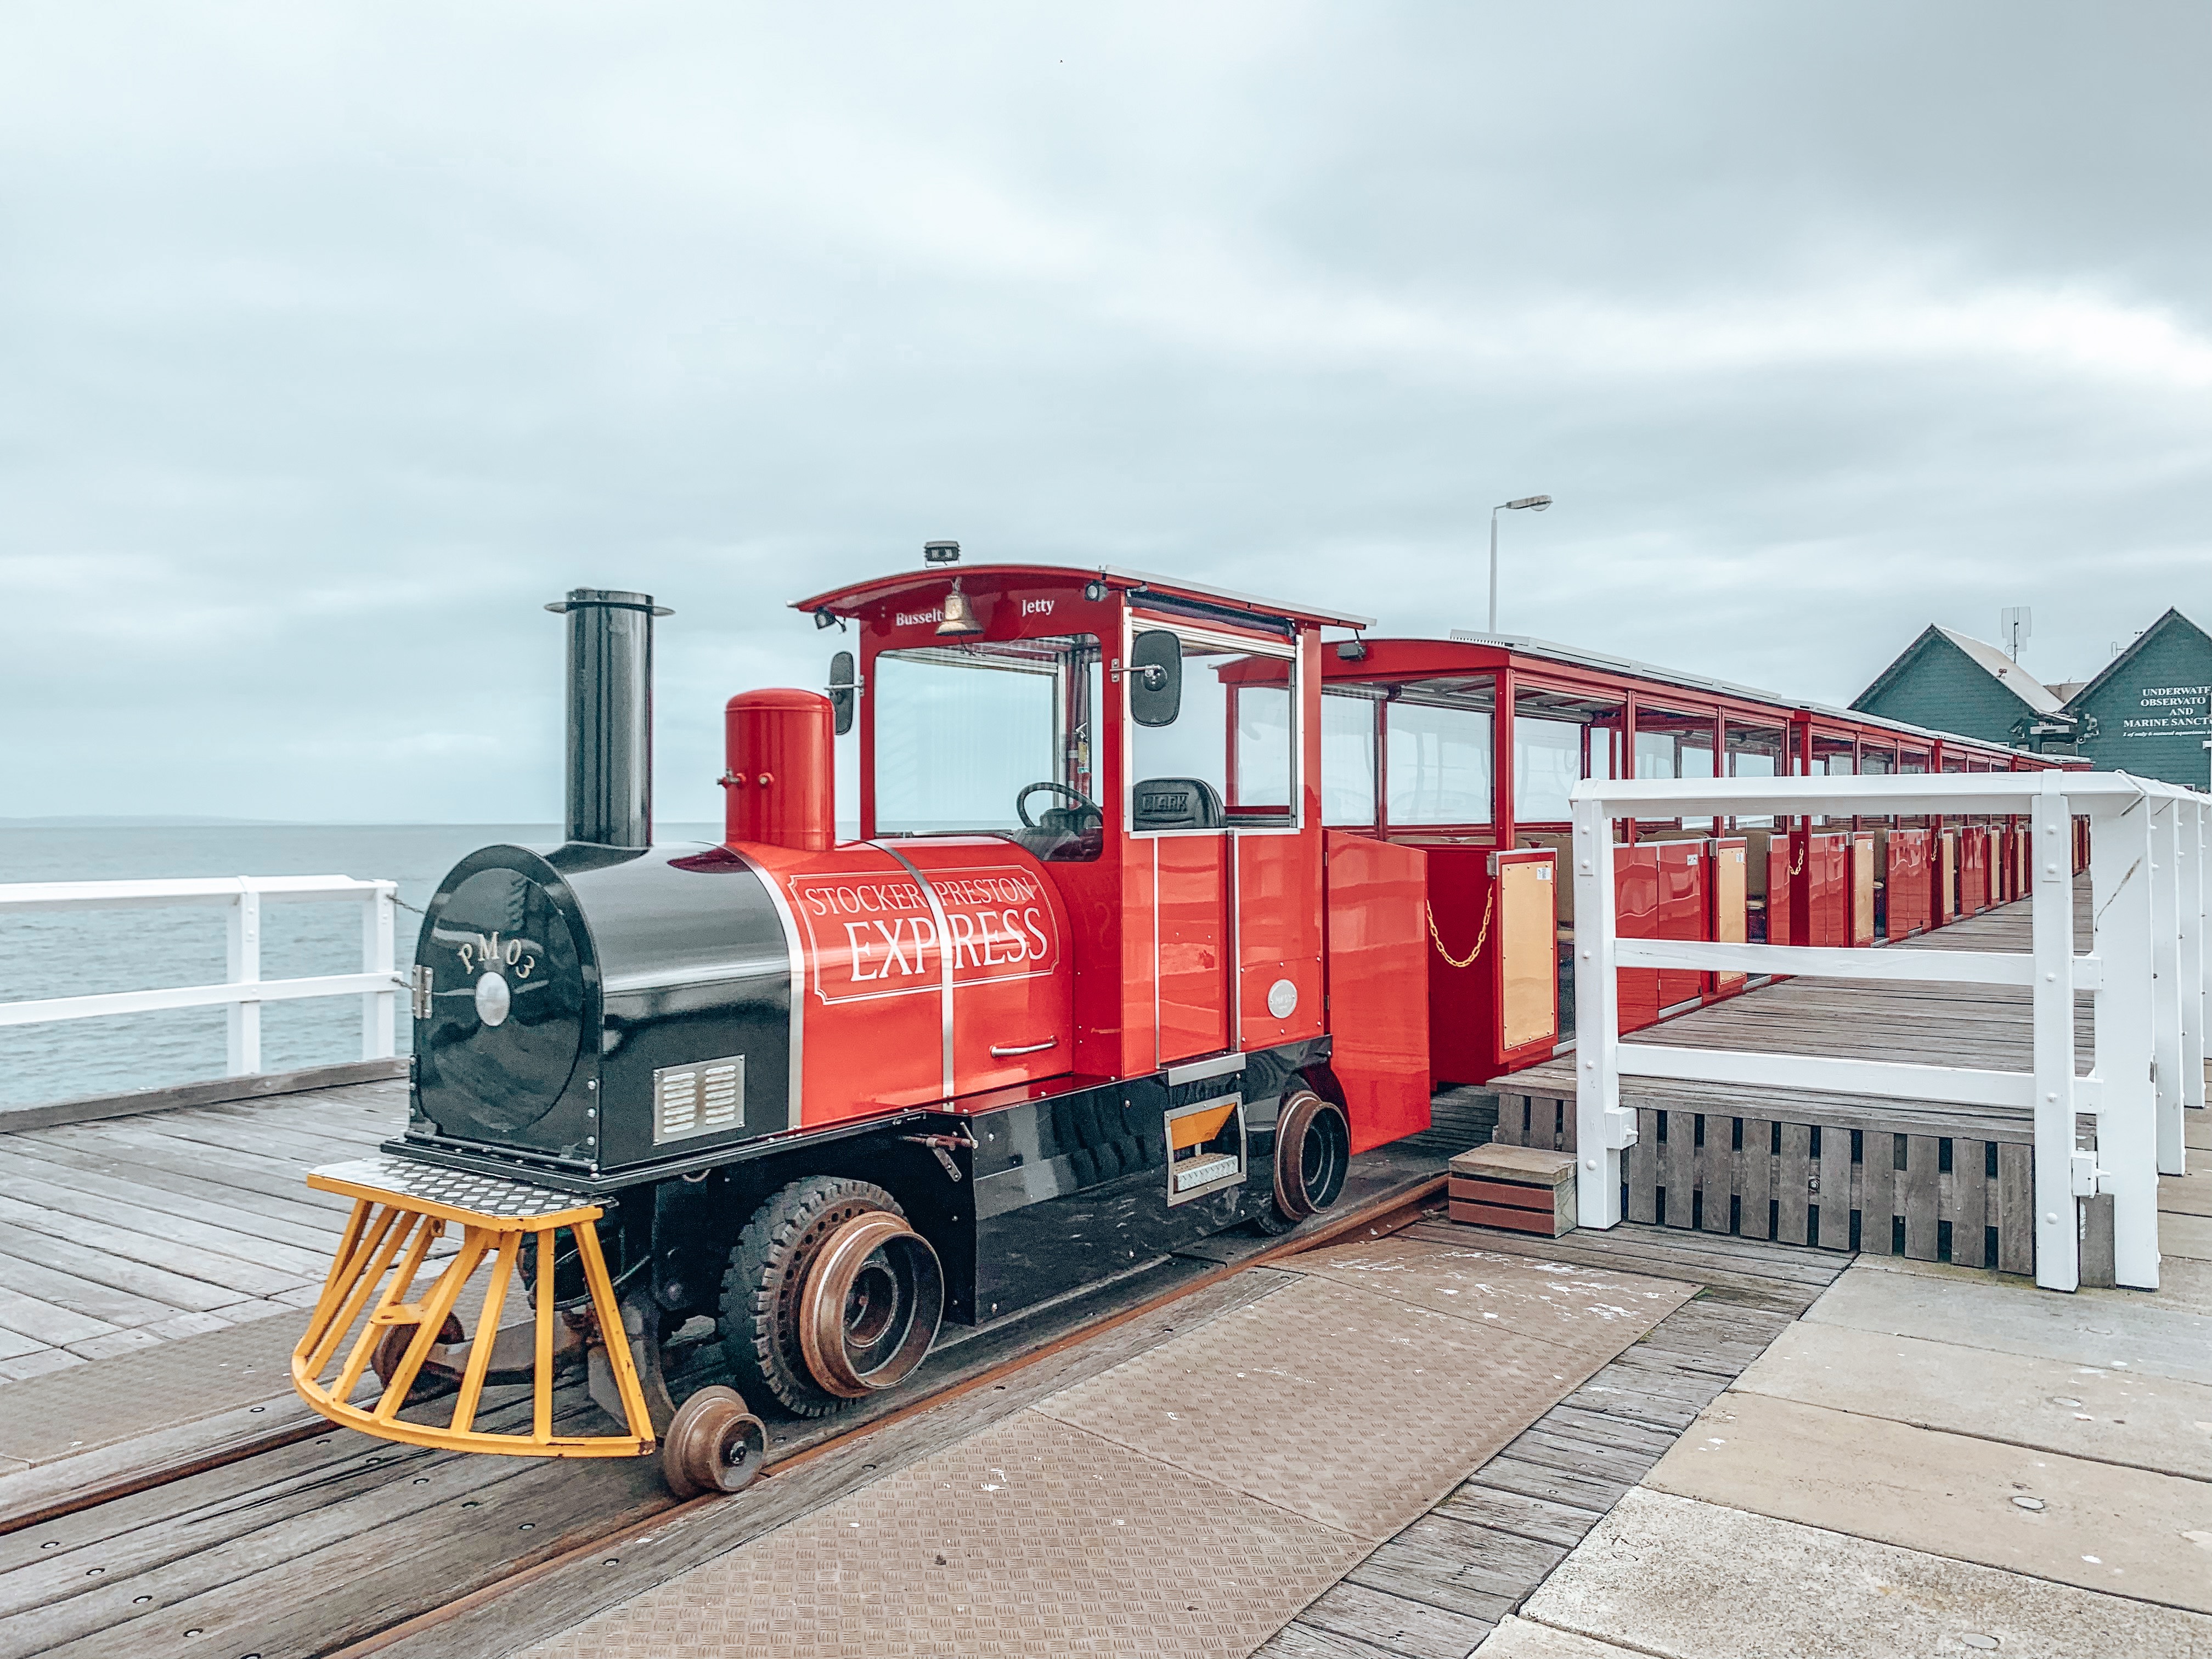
1754	1179
232	1274
1512	1119
46	1322
2097	1262
1577	1455
137	1146
1717	1174
83	1296
1542	1223
1297	1640
1427	1563
297	1205
2015	1208
102	1266
1573	1422
269	1085
1835	1179
1644	1169
1969	1201
1449	1562
1677	1168
1537	1518
1792	1180
162	1200
1655	1251
1922	1157
1351	1621
230	1241
1534	1480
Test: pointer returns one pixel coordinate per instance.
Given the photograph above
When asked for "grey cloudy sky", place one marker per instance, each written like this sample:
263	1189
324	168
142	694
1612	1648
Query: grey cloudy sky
338	338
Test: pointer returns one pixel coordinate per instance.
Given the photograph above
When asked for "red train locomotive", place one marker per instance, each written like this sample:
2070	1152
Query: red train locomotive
1085	989
1130	948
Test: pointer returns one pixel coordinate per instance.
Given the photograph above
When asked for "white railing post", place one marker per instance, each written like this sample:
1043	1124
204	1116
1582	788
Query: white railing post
245	958
379	1009
2120	845
1602	1129
2166	978
2051	911
2195	820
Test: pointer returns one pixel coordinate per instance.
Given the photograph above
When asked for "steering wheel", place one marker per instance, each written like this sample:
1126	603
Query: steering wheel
1021	801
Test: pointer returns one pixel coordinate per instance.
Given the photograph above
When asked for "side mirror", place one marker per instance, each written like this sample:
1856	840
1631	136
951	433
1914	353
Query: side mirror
1155	677
843	691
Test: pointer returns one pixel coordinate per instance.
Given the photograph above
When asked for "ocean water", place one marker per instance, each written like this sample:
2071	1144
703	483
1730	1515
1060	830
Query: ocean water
59	953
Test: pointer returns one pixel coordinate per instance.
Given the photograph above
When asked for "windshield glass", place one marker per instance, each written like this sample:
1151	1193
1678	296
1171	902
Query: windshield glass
990	737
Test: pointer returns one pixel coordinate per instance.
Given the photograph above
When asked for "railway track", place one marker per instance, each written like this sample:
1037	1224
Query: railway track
311	1541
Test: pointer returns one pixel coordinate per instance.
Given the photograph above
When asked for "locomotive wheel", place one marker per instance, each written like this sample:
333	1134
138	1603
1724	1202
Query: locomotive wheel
1313	1151
715	1445
763	1289
871	1305
392	1348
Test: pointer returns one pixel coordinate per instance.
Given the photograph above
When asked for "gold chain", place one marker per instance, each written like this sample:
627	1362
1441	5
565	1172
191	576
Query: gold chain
1481	940
1798	869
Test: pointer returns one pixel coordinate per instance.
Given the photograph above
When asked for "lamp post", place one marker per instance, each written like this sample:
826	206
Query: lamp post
1534	503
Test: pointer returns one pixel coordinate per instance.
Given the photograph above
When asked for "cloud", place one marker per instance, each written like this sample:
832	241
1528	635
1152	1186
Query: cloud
341	339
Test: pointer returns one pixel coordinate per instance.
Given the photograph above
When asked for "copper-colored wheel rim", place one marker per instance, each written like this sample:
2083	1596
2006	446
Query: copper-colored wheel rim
1312	1145
714	1445
392	1348
871	1305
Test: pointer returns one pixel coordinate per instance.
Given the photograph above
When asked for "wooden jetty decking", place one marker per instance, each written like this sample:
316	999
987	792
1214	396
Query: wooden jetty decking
1841	1172
123	1232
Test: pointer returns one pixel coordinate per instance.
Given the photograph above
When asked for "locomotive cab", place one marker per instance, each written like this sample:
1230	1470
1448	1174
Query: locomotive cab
1063	1006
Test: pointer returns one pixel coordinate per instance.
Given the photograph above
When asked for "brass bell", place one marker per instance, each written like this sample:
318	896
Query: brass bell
959	614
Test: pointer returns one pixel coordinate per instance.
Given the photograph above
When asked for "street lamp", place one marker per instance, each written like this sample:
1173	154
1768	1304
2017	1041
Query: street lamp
1535	503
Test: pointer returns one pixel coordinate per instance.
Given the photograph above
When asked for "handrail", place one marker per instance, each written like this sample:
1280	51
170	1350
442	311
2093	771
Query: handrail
377	984
2146	973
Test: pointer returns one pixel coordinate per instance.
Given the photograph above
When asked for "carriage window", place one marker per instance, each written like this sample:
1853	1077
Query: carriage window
1835	757
1670	744
1755	752
1347	759
1437	761
1230	757
1558	741
1263	748
995	737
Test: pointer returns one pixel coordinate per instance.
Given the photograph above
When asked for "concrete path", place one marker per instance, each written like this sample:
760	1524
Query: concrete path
1933	1461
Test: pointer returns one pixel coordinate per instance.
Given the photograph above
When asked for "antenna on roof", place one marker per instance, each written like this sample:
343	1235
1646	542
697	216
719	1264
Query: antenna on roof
2016	624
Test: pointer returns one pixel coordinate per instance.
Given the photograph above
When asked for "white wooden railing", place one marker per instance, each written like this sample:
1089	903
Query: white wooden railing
377	984
2146	972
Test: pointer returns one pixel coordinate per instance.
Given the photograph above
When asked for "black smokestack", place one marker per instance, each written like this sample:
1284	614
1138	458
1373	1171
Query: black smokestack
610	715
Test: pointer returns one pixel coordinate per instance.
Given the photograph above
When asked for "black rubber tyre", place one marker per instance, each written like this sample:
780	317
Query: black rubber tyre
761	1288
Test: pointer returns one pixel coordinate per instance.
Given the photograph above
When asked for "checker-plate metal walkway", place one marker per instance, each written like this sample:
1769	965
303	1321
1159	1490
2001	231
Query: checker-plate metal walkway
1188	1501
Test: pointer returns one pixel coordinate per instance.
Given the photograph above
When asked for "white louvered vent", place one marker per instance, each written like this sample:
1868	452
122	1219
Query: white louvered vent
700	1099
